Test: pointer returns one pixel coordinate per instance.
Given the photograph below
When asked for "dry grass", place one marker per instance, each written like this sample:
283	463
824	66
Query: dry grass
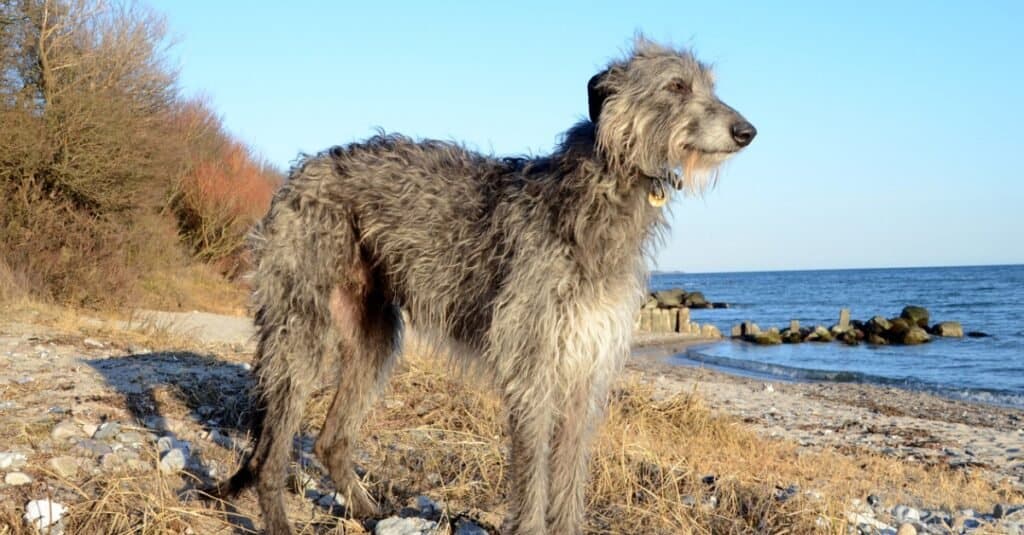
660	466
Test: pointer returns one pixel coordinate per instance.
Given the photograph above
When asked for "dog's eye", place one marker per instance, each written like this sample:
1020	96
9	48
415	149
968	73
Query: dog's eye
680	86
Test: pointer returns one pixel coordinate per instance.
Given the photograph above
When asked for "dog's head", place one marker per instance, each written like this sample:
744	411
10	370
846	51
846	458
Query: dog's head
656	113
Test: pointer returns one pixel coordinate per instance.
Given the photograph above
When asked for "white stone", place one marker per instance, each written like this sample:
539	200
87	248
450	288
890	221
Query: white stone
404	526
173	461
11	459
17	478
65	430
93	343
42	514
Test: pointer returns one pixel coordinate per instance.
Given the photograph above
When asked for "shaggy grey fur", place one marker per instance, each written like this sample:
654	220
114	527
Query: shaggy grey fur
529	268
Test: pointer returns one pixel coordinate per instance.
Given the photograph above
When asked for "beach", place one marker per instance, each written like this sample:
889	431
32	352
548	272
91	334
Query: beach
918	427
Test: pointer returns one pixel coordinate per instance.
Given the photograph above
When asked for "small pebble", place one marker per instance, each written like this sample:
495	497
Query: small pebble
15	479
906	529
173	461
468	527
107	431
93	343
404	526
65	430
11	459
64	466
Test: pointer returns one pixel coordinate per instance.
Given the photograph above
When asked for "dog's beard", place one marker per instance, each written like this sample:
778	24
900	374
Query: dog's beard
694	171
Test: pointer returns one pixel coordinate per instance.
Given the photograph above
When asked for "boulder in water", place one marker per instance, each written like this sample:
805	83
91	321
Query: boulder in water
977	334
766	338
915	314
877	325
875	339
950	329
916	335
696	300
820	334
671	298
898	328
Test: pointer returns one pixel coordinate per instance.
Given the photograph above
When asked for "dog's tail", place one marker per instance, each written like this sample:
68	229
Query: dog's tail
298	251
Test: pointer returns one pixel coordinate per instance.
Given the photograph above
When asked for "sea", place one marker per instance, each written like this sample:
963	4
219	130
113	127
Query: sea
989	299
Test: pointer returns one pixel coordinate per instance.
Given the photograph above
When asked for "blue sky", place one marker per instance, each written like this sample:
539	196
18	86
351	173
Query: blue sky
890	133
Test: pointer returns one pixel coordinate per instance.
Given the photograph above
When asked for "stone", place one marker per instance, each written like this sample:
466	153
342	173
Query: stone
844	319
132	438
646	320
696	300
749	328
93	343
405	526
65	430
661	321
173	461
877	325
794	325
428	508
683	315
718	304
898	328
916	335
64	466
948	329
89	429
906	528
651	302
465	526
12	459
820	334
107	431
977	334
904	513
875	339
709	331
736	331
791	336
93	447
671	298
915	314
15	479
42	514
767	338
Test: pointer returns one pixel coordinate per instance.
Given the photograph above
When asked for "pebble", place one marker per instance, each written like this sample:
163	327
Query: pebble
65	466
428	508
906	529
405	526
132	438
107	431
468	527
17	478
11	459
906	514
65	430
42	514
335	499
173	461
93	343
89	429
94	447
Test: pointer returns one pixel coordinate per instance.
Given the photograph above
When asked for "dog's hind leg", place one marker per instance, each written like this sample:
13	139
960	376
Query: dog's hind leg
370	329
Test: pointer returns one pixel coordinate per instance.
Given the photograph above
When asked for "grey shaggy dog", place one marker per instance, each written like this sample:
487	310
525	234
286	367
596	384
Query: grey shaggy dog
530	269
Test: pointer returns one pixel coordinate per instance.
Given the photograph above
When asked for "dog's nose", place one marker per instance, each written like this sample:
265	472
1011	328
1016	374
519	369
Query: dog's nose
743	132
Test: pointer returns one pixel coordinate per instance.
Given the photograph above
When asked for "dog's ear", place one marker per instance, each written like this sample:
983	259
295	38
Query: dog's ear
596	94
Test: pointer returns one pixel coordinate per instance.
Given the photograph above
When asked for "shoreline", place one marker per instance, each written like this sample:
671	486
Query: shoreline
915	426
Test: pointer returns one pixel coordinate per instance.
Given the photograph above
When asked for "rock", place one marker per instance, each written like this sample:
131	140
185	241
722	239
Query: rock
794	325
877	325
15	479
737	331
696	300
906	528
904	513
93	343
465	526
820	334
132	438
42	514
645	321
334	499
898	328
949	329
875	339
428	508
767	338
874	500
844	319
173	461
710	331
671	298
93	447
749	328
662	321
791	336
405	526
65	430
683	315
107	431
916	315
651	302
977	334
65	466
89	429
12	459
916	335
718	304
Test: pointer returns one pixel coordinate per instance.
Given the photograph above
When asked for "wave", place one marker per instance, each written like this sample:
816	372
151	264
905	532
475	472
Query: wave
764	370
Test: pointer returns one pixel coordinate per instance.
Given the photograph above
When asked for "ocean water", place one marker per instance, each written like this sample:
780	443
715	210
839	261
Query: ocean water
983	298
